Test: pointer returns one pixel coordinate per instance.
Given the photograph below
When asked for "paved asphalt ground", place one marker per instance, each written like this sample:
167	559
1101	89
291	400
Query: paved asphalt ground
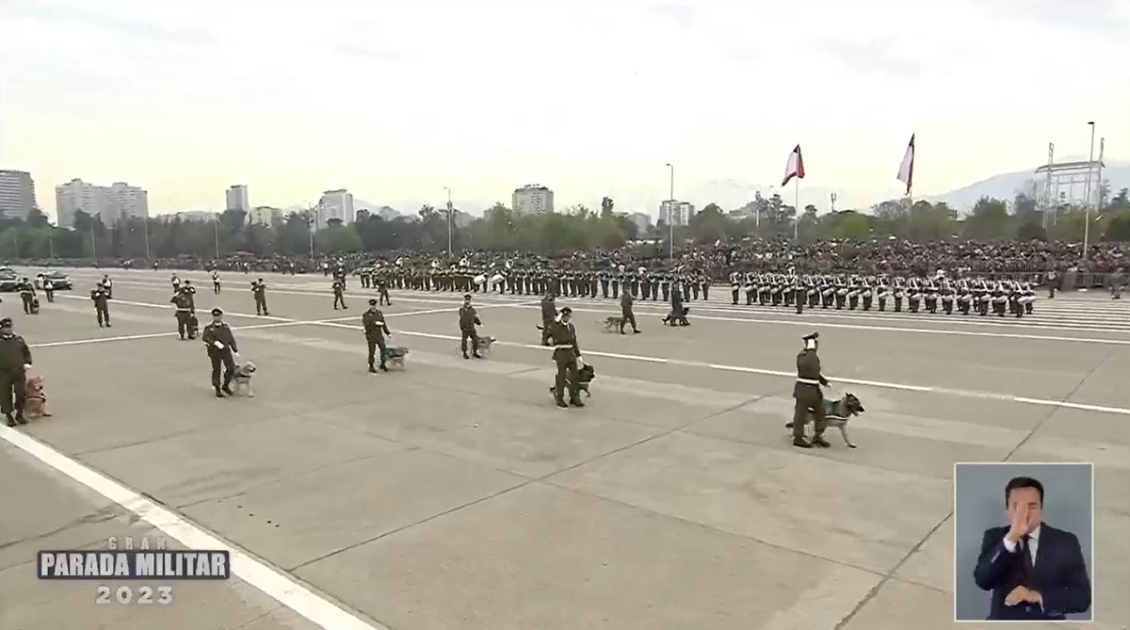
454	495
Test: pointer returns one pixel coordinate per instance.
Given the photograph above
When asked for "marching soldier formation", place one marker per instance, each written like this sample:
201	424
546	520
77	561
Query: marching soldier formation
878	293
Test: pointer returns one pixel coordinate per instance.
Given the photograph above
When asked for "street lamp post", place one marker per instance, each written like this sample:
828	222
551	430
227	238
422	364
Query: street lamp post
671	211
145	222
1087	195
216	234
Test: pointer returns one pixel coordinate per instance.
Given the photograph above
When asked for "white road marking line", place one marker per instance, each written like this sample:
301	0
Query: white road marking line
93	340
277	585
717	366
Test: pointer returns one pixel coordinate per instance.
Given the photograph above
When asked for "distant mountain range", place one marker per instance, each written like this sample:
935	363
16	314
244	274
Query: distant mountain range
1006	185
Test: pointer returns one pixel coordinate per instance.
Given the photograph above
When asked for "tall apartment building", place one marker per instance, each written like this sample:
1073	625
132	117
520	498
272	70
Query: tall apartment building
112	203
336	204
675	212
236	199
532	199
264	215
17	194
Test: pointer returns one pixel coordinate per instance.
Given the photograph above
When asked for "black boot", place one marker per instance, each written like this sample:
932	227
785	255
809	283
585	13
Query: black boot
561	403
219	394
372	370
8	420
576	402
801	443
820	441
20	419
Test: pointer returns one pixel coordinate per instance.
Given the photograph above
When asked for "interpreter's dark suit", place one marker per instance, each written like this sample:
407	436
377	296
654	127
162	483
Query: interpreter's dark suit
1059	574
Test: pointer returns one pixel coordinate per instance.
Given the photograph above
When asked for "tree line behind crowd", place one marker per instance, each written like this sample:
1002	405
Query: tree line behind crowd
578	228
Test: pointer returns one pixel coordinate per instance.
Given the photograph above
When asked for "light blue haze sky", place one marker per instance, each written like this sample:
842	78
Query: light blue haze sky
395	100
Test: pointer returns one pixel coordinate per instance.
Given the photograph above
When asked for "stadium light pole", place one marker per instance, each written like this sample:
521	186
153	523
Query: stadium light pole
1087	195
448	189
671	211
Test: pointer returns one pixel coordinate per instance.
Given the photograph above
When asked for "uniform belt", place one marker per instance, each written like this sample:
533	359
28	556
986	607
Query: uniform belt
807	381
563	347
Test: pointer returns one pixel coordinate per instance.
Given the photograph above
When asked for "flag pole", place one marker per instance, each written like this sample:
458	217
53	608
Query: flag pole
796	210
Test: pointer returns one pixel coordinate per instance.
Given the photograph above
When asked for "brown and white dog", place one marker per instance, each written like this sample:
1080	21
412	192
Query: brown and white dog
35	398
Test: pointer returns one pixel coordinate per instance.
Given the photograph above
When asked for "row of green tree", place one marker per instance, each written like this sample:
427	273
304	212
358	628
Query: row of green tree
577	228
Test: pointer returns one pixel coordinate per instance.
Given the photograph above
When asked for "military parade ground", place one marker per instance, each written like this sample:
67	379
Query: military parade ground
454	494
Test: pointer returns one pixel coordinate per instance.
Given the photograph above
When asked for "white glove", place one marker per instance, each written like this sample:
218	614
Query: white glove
580	361
27	366
218	345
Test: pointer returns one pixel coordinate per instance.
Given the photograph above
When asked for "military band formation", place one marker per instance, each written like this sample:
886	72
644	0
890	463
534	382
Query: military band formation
558	332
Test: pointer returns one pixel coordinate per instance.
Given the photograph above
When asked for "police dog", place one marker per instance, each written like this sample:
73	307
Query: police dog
242	379
485	344
613	323
838	413
585	376
35	400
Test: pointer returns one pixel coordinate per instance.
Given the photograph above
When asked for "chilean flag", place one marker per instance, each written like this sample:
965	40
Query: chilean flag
906	169
795	167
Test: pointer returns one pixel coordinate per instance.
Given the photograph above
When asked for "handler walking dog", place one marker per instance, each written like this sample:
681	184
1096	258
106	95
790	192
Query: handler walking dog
808	396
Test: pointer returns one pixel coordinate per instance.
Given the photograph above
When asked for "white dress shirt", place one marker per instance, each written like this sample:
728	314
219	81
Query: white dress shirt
1033	544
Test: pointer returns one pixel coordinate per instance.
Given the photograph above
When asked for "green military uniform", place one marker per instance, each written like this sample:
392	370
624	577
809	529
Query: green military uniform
627	316
101	301
808	396
14	355
373	321
566	353
468	319
27	294
184	314
548	314
259	292
220	341
339	294
382	292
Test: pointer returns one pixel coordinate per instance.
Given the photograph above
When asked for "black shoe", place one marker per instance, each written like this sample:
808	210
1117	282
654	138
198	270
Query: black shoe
477	355
20	419
636	332
219	394
108	325
372	370
384	368
576	402
8	420
227	390
466	356
561	403
801	443
820	441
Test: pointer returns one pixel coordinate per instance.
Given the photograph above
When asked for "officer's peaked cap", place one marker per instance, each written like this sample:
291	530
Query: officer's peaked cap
372	302
6	322
814	335
217	311
566	311
466	296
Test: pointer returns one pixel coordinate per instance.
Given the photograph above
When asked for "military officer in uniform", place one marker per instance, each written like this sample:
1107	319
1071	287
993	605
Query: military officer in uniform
220	341
468	319
567	356
548	313
259	292
808	396
216	282
184	314
339	293
382	290
101	299
15	359
27	294
626	314
373	321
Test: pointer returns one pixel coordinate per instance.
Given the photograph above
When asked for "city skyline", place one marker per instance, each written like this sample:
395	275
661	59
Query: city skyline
848	83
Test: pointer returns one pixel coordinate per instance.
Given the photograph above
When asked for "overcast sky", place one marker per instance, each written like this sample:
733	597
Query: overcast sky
396	100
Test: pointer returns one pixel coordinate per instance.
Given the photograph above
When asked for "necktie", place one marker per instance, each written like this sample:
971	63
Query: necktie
1026	551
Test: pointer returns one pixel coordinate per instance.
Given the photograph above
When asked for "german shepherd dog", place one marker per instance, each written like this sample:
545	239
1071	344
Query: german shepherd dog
838	413
585	375
613	323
